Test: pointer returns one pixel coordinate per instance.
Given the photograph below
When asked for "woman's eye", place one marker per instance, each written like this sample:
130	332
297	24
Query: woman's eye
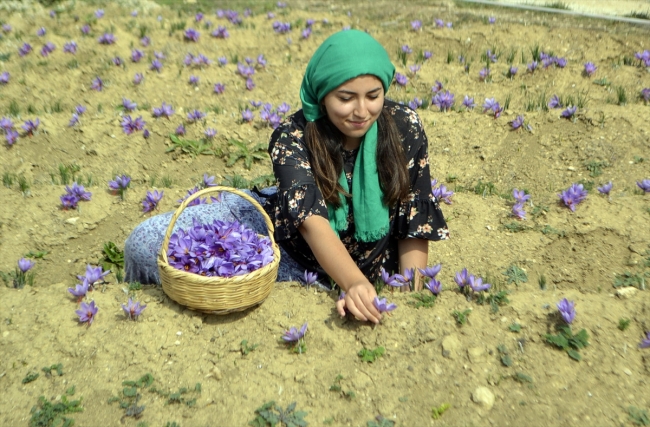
345	99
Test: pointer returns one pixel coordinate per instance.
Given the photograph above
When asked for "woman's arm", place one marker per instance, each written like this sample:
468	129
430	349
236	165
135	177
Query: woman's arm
413	253
336	261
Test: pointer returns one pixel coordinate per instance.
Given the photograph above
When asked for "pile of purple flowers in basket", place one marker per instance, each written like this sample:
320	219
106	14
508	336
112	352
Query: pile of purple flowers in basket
223	249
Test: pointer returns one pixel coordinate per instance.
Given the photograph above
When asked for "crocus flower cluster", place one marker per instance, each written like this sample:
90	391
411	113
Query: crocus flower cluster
25	49
93	276
572	196
73	195
130	125
396	280
7	127
441	192
493	107
31	126
151	201
567	310
70	47
191	35
220	32
643	57
133	310
271	116
196	61
520	199
443	100
467	282
484	74
166	110
415	103
119	185
548	61
429	274
106	38
281	27
416	25
222	249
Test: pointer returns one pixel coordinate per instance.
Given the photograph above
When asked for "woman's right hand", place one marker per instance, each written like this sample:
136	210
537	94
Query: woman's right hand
359	300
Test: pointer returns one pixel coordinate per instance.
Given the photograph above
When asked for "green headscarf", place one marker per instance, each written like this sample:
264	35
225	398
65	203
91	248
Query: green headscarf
344	56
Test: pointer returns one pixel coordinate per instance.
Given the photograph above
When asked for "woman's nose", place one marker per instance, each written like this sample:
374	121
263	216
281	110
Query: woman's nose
360	109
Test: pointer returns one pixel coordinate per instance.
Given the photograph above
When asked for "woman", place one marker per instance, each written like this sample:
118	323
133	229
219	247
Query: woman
353	185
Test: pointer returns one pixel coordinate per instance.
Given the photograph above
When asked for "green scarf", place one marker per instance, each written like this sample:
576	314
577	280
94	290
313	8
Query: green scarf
344	56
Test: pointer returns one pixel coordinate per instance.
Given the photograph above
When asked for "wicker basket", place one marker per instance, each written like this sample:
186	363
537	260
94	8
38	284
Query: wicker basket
218	295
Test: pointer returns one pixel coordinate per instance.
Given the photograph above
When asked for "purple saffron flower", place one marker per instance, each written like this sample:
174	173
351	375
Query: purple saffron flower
93	275
106	38
606	188
208	181
477	285
294	335
78	191
80	109
573	196
415	103
492	105
24	265
305	33
118	61
87	312
468	102
4	77
85	30
180	130
130	126
6	124
192	35
518	211
69	201
520	196
166	110
219	88
416	25
97	84
406	49
430	272
383	306
99	13
74	120
137	79
401	79
512	71
198	17
646	342
560	62
484	74
134	13
443	100
590	69
441	193
11	137
437	87
462	278
517	123
220	32
195	115
283	108
567	310
247	115
250	84
70	47
24	49
491	56
31	126
569	112
555	102
434	286
310	278
281	27
145	41
439	23
146	134
222	60
644	185
414	68
210	133
151	201
119	185
427	55
6	28
532	66
41	32
492	20
156	65
136	55
396	280
645	95
194	80
48	48
129	105
80	290
133	310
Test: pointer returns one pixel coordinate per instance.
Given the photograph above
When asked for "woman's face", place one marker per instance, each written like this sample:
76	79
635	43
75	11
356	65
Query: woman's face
354	106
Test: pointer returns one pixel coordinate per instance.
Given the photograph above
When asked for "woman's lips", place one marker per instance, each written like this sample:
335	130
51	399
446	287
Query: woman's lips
358	124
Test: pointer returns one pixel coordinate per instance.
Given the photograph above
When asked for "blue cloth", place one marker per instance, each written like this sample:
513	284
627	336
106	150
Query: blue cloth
143	244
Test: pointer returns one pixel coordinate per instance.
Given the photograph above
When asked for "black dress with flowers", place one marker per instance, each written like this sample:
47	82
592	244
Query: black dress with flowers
298	197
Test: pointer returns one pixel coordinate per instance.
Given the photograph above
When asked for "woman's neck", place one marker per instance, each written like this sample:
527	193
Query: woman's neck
350	144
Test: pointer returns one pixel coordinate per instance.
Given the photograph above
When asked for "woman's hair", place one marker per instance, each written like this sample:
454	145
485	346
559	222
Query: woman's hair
325	142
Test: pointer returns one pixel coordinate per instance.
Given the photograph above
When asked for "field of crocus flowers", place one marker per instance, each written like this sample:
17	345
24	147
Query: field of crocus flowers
530	118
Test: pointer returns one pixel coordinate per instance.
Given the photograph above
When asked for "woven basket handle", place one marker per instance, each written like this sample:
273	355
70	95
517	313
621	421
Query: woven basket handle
186	202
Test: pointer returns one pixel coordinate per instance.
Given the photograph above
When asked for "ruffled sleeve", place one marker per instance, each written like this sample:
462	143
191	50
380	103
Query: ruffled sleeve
420	216
298	196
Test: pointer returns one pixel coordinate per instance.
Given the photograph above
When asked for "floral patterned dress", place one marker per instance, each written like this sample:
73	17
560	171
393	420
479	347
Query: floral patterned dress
298	197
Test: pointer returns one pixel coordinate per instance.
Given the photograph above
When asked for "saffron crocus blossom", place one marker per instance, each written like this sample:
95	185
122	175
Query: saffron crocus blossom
87	312
310	278
401	79
6	124
247	115
477	285
80	290
192	35
572	196
517	123
590	69
128	105
145	41
98	84
484	74
606	188
118	61
222	60
442	193
210	133
78	191
294	335
427	54
136	55
130	125
281	27
261	61
430	272
220	32
133	310
166	110
195	115
208	181
415	103
156	65
69	201
146	134
443	100
41	32
644	185
520	196
70	47
462	278
491	56
643	57
396	280
416	25
567	310
85	30
439	23
512	71
437	87
569	112
31	126
106	38
492	20
555	102
304	34
24	265
283	108
6	28
219	88
434	286
48	48
383	306
518	211
24	49
492	105
250	84
468	102
137	79
119	185
645	95
151	200
194	80
11	136
645	343
99	13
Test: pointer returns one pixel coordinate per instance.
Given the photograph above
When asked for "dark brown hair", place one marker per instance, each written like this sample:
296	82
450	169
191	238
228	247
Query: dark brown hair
325	143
